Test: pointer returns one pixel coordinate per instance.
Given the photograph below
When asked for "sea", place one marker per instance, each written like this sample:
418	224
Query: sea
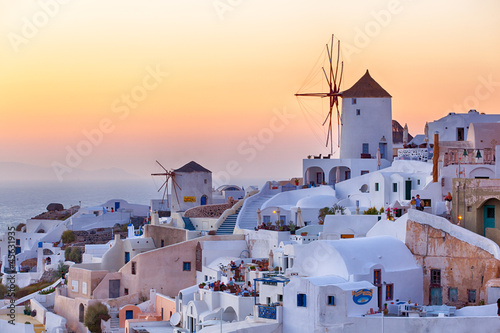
20	201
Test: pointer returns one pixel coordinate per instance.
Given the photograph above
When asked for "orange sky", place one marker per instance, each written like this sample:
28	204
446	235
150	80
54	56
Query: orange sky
229	65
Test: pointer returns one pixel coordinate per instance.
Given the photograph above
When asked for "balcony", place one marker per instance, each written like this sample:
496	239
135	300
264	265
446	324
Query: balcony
456	156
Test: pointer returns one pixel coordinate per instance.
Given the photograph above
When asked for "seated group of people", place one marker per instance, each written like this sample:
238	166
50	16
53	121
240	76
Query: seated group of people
232	287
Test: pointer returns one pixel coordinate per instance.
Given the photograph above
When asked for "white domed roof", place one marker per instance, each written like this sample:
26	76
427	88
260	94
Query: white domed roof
317	201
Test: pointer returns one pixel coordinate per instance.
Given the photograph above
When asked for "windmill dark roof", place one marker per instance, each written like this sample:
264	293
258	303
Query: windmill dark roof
192	167
365	87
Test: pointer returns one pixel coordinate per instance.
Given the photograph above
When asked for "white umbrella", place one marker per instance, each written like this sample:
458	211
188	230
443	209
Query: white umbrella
278	214
379	157
337	175
259	217
300	222
405	135
426	132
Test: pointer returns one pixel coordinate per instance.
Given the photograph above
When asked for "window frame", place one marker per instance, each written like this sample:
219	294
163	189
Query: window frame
301	300
186	266
330	300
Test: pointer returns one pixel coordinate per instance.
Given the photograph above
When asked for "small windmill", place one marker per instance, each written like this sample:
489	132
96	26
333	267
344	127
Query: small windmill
169	175
334	80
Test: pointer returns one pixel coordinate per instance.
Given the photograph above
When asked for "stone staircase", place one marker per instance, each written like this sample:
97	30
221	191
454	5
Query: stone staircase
188	224
115	321
247	218
227	227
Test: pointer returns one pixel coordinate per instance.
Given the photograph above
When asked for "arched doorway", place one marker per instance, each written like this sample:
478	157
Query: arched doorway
81	315
314	176
203	200
487	212
229	315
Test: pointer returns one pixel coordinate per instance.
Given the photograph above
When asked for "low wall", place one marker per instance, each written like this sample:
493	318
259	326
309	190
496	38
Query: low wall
423	324
214	211
40	310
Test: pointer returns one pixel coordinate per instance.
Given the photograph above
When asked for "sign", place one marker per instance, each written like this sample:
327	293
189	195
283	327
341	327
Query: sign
362	296
189	199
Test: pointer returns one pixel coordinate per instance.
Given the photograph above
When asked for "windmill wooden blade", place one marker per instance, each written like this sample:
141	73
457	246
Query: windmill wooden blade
162	166
334	80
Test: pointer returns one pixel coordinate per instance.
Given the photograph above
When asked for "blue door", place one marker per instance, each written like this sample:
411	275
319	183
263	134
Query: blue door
436	296
127	256
203	200
129	314
489	217
117	205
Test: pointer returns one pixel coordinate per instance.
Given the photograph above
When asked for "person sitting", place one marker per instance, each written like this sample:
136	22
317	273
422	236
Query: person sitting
222	286
249	287
230	282
245	292
419	203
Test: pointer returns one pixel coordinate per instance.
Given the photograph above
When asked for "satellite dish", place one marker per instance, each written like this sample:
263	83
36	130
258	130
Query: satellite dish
175	319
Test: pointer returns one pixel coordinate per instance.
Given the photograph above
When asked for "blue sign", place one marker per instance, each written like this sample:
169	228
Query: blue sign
362	296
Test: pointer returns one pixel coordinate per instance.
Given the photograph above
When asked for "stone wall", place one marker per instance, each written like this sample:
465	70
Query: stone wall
97	236
210	210
462	265
169	235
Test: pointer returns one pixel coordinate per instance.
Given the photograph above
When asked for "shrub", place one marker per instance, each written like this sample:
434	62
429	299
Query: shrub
67	252
76	255
95	313
68	236
371	211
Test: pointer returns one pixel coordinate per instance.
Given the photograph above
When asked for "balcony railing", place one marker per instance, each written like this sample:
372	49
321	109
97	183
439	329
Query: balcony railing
267	312
468	156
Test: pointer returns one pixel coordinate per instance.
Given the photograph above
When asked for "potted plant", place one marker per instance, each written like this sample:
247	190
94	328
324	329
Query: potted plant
27	309
202	285
252	268
303	233
292	228
296	182
386	310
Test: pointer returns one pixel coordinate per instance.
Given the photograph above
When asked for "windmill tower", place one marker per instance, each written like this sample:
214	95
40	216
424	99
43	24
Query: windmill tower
195	184
366	120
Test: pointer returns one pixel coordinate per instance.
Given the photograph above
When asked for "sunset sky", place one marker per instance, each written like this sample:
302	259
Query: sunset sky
214	80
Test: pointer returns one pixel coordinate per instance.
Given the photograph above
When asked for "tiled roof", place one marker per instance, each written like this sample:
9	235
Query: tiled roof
365	87
192	167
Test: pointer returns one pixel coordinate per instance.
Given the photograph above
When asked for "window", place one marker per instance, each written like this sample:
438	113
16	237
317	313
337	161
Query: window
280	298
364	172
283	218
377	276
471	295
469	208
301	300
389	292
366	148
354	101
436	276
205	181
358	112
377	186
418	181
490	212
18	242
394	187
460	134
452	294
331	300
84	288
186	266
133	268
125	291
74	286
267	218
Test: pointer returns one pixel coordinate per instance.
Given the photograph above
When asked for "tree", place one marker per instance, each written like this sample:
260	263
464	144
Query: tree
61	269
330	211
68	236
95	313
